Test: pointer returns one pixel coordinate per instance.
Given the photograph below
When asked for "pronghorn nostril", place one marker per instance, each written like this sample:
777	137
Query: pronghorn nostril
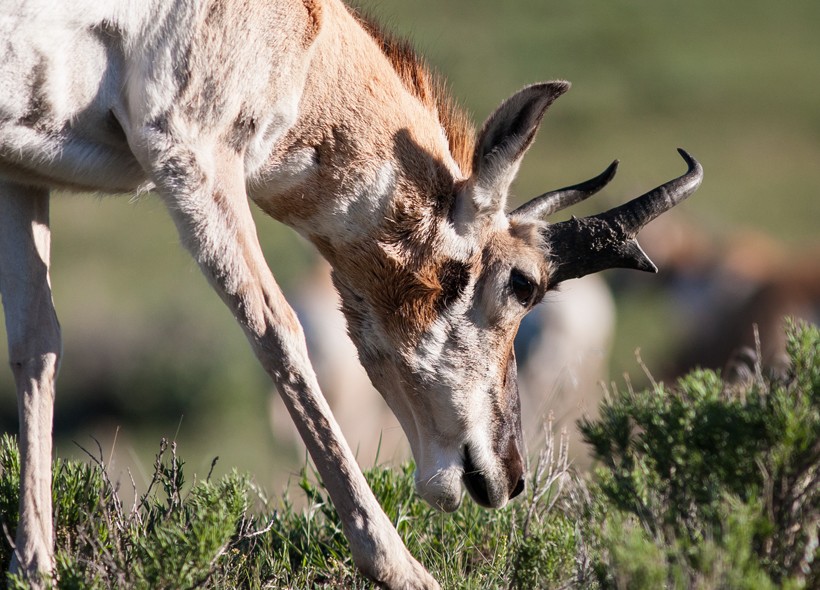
475	482
519	487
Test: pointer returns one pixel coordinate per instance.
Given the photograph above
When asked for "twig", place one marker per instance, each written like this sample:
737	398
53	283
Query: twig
163	446
645	369
211	470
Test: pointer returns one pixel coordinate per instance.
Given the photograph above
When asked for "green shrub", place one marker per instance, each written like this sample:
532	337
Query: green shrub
227	534
702	485
716	475
168	540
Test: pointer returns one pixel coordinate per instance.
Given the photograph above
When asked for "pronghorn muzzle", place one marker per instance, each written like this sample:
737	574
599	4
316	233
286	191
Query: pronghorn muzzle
476	483
507	447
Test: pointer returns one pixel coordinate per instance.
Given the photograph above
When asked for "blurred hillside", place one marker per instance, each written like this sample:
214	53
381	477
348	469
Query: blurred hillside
151	350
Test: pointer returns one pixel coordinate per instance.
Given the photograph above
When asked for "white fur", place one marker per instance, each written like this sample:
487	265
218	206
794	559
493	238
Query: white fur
289	172
361	208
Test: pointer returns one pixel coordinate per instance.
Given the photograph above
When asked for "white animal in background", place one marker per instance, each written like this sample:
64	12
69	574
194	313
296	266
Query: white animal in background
566	359
339	131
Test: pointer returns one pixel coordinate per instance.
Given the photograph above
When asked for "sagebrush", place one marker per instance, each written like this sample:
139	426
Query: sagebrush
702	484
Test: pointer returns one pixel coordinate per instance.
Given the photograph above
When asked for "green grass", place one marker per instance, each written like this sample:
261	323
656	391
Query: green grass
706	485
225	533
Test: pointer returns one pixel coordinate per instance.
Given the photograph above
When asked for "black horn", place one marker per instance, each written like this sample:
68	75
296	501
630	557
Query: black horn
578	247
554	201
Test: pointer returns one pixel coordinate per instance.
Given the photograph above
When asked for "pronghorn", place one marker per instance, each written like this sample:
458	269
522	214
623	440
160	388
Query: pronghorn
339	131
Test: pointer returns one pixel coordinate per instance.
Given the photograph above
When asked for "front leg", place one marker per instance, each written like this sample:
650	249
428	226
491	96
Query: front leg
34	352
210	208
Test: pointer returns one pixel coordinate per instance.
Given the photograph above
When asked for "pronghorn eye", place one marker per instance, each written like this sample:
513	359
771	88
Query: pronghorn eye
522	287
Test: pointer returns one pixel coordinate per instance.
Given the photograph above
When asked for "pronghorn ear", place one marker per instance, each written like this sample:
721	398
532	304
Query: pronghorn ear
504	138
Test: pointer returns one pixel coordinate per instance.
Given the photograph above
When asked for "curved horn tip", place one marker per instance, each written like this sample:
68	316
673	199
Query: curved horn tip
558	200
690	161
609	173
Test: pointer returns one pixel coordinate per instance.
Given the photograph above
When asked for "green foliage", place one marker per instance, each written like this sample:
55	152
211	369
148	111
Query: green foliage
170	539
704	485
635	559
526	545
721	479
225	534
9	492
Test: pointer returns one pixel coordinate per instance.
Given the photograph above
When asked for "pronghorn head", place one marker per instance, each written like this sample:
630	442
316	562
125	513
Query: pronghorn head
434	301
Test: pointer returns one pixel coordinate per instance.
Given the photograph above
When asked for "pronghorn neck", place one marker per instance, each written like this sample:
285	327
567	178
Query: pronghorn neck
378	185
370	139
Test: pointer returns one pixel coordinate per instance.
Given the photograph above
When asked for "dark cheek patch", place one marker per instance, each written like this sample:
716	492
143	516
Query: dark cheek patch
454	278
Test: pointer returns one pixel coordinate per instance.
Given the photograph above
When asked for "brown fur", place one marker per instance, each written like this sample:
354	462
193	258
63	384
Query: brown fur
406	298
314	21
350	141
429	87
411	281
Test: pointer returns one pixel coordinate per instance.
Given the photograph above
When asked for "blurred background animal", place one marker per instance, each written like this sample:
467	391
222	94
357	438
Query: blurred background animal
723	287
